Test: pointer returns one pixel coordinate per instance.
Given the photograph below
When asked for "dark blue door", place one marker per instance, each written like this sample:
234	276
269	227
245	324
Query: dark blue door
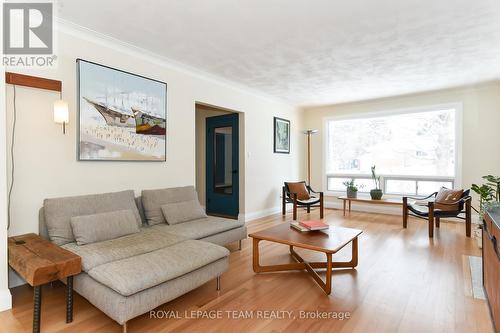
222	167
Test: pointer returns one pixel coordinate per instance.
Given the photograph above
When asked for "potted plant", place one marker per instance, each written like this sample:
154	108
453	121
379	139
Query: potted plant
351	188
376	193
489	196
488	193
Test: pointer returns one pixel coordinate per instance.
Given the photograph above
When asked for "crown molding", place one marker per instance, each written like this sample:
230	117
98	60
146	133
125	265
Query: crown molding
461	89
73	29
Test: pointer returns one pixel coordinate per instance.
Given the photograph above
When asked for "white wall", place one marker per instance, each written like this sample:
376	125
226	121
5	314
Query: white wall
481	120
46	160
5	298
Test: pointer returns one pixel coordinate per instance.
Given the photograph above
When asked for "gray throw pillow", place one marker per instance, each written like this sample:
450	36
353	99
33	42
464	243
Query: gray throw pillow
104	226
183	211
59	211
152	200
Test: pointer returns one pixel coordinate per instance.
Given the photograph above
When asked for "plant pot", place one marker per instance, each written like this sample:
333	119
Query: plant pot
478	235
351	193
376	194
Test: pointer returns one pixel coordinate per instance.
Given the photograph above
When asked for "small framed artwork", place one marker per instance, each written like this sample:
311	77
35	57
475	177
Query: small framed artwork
122	116
281	135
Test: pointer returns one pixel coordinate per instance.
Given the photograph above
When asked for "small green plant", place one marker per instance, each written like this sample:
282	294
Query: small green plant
376	179
494	183
351	186
488	192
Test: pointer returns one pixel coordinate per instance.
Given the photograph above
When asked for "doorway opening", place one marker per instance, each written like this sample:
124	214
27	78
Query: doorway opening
220	160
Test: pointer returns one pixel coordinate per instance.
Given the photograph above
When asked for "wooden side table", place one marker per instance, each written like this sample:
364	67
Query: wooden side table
39	262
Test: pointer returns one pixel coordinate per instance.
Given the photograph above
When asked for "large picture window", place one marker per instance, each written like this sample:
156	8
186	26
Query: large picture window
415	152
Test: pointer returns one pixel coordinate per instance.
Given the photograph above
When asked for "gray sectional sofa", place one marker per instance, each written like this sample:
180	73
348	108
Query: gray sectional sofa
133	258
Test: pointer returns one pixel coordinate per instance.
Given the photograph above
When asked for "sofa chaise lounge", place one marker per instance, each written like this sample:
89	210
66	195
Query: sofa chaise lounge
157	260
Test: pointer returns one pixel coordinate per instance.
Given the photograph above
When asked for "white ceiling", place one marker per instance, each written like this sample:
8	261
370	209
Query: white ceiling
312	52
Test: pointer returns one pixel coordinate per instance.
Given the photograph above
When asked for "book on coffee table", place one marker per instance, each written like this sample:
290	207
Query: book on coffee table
297	226
313	225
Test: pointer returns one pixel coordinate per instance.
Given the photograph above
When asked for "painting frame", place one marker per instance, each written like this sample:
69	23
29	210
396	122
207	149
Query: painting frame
80	61
279	148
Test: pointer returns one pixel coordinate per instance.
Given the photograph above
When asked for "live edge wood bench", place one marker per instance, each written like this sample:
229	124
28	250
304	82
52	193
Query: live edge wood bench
38	261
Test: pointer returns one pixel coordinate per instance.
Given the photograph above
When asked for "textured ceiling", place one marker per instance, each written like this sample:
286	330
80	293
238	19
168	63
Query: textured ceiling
316	51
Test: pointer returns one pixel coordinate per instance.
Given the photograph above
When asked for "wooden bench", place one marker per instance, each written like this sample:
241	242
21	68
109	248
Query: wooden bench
368	200
38	261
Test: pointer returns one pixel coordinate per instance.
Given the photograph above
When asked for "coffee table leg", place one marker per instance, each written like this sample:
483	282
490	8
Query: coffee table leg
354	258
328	285
69	299
257	268
256	255
347	264
349	206
344	206
37	303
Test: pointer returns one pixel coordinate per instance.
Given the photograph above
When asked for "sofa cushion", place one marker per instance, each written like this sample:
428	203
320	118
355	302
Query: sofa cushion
132	275
179	212
103	226
152	200
201	228
100	253
59	211
121	308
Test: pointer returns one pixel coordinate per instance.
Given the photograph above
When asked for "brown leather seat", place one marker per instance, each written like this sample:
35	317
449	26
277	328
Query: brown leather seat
301	195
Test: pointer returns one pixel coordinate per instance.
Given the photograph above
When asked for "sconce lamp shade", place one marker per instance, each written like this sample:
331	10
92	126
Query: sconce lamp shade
61	112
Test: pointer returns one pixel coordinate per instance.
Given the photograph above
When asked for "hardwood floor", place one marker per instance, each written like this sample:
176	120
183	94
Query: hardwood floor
405	282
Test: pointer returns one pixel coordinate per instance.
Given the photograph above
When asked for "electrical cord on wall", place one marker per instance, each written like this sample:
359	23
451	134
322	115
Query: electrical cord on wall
12	160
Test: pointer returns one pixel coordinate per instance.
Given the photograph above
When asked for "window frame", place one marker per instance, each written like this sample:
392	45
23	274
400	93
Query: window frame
456	180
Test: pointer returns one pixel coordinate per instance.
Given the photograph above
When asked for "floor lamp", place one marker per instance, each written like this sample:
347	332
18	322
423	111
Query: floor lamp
309	133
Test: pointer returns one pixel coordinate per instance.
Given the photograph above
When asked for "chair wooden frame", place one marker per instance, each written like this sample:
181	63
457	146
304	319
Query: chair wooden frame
288	197
434	215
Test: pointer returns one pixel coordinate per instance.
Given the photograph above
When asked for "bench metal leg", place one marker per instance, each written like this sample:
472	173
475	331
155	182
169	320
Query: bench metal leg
69	299
37	303
218	283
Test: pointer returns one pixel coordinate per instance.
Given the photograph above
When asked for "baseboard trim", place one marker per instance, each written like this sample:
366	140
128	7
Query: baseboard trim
5	300
247	217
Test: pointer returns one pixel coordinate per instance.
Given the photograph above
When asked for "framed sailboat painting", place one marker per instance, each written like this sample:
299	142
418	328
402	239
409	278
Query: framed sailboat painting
122	116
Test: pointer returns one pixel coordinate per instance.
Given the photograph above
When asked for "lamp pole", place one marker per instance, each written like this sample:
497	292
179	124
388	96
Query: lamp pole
309	133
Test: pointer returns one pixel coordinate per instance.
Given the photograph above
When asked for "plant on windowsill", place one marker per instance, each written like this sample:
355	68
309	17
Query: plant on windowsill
351	188
376	193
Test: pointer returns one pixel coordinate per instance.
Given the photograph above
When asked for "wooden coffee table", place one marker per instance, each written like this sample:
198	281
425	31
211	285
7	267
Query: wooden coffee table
328	241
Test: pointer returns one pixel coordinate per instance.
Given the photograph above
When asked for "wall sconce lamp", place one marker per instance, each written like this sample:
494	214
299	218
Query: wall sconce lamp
61	113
